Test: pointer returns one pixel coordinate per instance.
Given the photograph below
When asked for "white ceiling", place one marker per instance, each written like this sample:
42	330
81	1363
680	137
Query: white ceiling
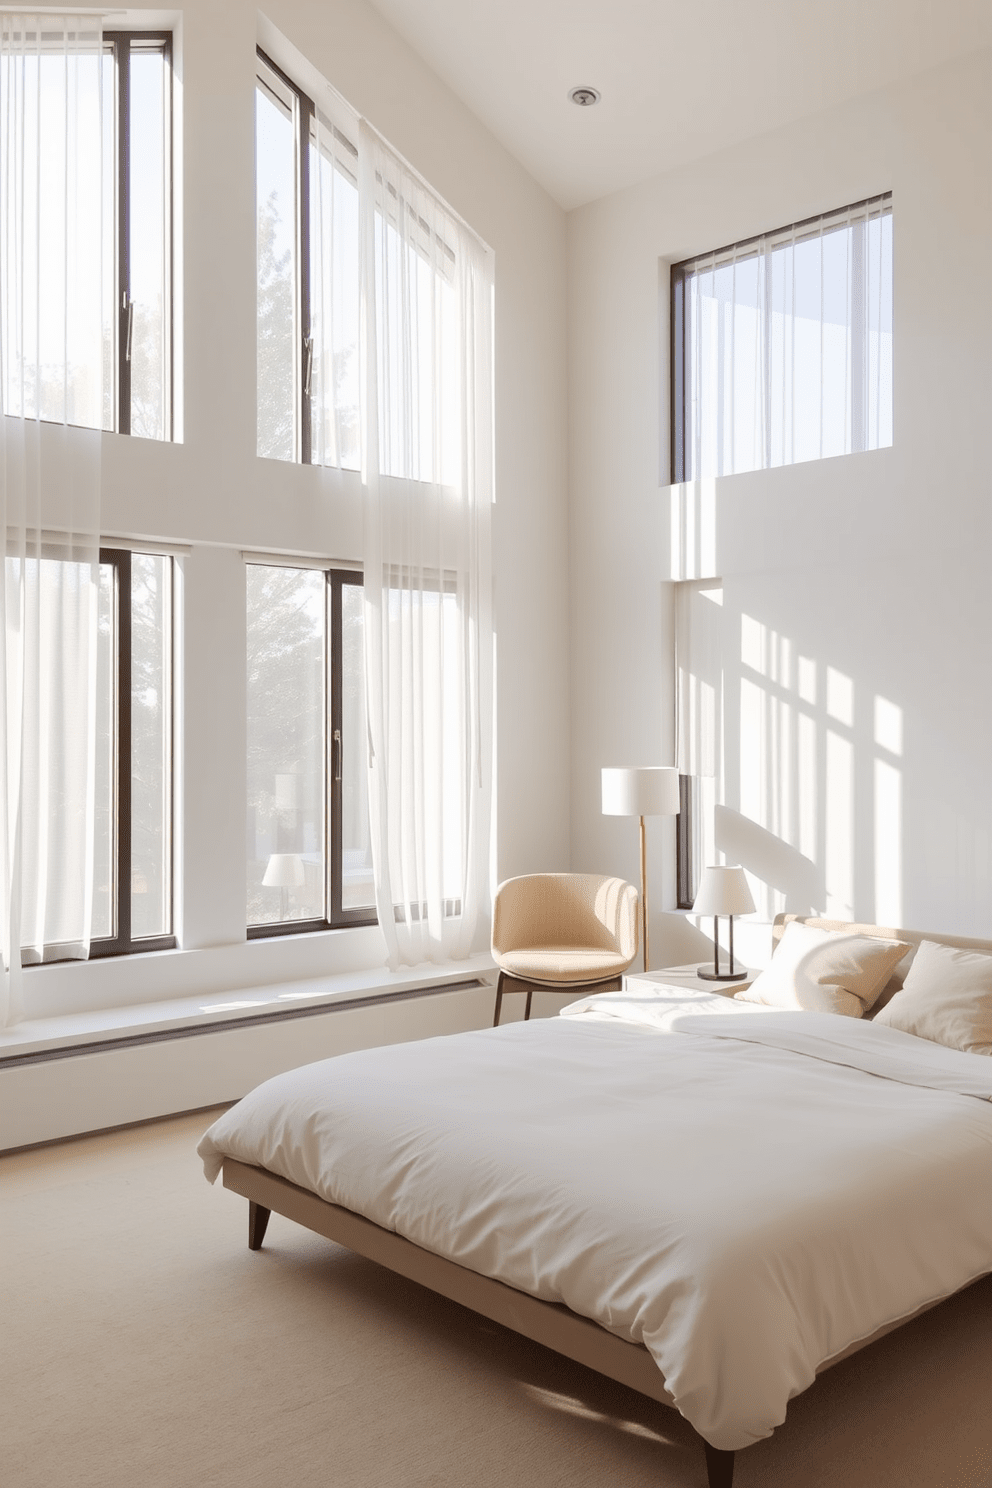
678	80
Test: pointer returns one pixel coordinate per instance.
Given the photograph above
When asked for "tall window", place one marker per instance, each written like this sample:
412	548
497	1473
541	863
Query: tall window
86	226
306	172
309	856
129	784
782	346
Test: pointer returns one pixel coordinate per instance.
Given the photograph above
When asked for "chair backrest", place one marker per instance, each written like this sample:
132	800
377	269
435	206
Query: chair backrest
566	909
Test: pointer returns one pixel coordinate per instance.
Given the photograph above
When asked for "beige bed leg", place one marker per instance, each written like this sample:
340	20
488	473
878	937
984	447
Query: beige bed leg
258	1218
719	1467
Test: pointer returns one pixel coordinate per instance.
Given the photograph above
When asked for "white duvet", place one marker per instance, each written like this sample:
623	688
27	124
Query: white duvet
744	1192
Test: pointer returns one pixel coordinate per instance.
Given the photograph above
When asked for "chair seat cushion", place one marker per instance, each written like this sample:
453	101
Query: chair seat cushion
561	963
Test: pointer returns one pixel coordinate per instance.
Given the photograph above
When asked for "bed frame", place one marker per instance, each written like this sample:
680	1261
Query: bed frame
548	1323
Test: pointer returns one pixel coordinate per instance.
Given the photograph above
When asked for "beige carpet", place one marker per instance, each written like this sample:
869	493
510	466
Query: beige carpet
144	1346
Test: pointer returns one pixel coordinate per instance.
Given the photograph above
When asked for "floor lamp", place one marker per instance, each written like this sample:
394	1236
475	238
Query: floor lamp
649	790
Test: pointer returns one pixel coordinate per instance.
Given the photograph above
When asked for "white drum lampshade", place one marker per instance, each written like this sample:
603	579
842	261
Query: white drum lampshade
722	891
641	790
649	790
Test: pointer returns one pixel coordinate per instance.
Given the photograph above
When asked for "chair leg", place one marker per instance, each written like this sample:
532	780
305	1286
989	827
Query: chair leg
530	994
499	998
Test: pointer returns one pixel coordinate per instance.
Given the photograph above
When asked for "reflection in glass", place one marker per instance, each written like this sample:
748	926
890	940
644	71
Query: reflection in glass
151	733
357	890
102	922
276	251
149	237
286	864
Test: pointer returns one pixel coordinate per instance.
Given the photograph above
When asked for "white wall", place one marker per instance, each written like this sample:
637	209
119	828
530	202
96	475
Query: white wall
874	565
212	492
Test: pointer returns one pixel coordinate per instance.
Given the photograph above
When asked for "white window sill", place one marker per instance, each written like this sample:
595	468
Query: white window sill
38	1036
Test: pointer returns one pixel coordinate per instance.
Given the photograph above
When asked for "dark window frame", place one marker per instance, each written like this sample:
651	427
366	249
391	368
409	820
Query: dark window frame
304	117
338	918
121	44
684	855
122	943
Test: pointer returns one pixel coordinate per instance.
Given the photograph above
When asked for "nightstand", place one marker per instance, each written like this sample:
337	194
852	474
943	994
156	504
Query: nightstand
684	979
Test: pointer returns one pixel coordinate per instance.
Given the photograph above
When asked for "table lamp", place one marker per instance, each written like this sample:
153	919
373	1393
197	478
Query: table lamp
722	891
284	871
647	790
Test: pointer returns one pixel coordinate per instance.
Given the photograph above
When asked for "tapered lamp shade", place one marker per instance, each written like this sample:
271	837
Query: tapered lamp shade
723	891
284	871
649	790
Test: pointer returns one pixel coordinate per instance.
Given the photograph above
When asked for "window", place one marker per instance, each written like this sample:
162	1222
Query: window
306	173
86	220
309	861
124	807
132	891
782	346
699	717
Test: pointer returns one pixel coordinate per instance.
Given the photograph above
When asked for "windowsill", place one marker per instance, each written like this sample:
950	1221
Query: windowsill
213	1010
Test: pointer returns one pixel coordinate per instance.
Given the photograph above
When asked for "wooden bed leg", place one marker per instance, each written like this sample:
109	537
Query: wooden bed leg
719	1467
258	1218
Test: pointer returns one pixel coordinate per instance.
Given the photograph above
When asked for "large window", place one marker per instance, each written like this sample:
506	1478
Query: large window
86	224
782	346
121	802
306	172
309	858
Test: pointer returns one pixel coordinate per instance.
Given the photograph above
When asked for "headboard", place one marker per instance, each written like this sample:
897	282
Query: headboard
913	936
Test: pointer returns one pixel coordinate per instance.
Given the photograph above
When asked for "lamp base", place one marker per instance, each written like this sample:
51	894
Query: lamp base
720	976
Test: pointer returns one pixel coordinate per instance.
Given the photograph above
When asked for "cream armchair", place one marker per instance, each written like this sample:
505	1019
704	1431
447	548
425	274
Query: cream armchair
562	930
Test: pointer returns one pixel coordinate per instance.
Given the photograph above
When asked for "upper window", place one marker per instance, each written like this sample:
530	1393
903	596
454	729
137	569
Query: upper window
782	346
306	174
86	226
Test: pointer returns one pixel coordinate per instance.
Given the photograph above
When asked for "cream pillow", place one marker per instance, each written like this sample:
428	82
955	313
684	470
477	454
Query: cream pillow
946	997
825	971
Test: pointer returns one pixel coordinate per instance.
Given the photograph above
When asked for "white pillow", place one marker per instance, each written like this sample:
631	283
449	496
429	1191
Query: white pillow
946	997
825	971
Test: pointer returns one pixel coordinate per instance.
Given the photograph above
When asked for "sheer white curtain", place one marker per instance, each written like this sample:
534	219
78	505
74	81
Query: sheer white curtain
427	464
788	344
55	344
335	363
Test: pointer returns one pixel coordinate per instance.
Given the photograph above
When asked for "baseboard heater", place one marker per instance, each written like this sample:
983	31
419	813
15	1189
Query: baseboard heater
223	1025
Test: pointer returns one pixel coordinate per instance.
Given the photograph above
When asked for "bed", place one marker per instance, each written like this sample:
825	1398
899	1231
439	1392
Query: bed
620	1185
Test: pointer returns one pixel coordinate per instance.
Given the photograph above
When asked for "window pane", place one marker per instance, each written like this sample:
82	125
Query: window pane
286	744
788	346
151	755
357	891
55	314
102	924
276	249
149	262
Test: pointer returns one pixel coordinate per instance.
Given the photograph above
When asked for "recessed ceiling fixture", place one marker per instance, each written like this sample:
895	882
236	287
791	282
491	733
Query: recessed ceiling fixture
584	97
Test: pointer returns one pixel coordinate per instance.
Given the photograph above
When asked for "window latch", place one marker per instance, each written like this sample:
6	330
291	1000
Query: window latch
307	364
127	305
337	754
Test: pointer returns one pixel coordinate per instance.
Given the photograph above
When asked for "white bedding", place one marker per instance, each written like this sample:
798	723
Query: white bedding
745	1192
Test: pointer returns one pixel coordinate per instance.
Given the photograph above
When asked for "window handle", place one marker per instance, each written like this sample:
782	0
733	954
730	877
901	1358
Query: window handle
129	308
307	364
337	754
